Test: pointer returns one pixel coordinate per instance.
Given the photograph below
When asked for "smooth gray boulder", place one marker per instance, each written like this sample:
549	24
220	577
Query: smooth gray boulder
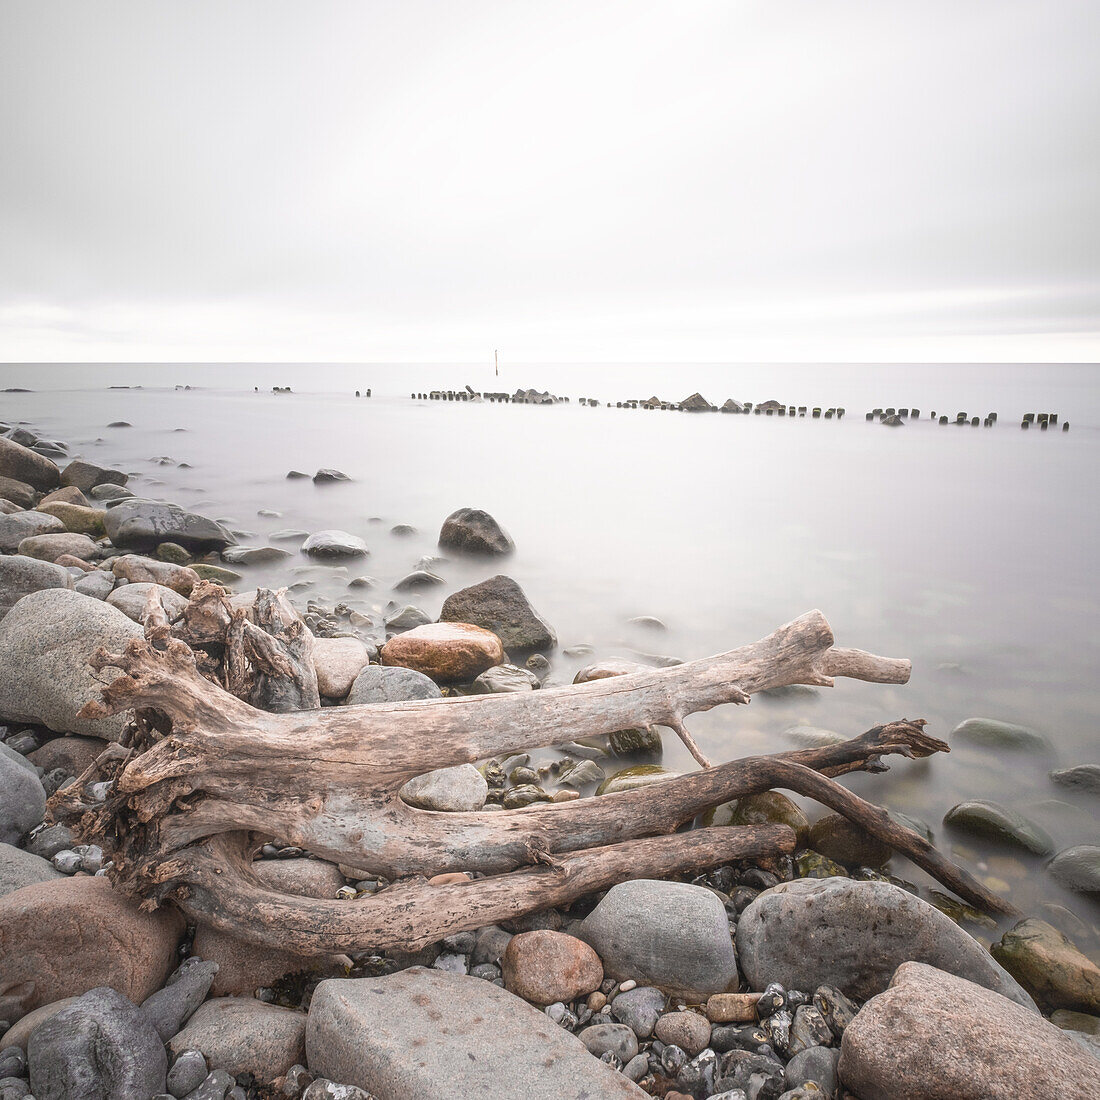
436	1036
22	797
20	575
334	544
100	1047
18	526
935	1036
1083	777
639	1009
1078	868
500	605
87	475
462	787
98	584
853	935
144	524
472	531
19	868
22	464
995	734
669	934
385	684
45	643
997	822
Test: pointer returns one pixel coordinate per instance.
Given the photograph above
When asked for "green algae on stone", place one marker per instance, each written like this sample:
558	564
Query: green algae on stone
629	779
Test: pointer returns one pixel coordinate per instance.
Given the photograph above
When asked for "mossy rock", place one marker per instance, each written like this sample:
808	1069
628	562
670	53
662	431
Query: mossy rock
811	864
639	741
174	553
215	573
769	808
629	779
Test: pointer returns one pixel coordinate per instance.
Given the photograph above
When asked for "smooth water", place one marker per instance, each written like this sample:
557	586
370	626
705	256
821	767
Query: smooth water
971	551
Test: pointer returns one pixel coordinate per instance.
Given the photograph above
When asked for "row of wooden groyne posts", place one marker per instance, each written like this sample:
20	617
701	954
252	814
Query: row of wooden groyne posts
892	417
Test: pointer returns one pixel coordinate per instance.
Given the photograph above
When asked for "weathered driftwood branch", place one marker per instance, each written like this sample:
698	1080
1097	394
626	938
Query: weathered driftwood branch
178	821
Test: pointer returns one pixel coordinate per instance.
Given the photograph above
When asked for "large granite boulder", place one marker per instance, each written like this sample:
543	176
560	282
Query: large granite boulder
63	937
144	524
17	526
853	935
22	797
473	531
23	464
20	575
435	1036
936	1036
447	652
499	605
668	934
99	1046
85	476
45	643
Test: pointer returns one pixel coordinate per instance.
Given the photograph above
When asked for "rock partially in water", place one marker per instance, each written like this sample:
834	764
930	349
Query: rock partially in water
406	618
110	492
17	526
1083	777
327	476
500	605
1078	868
144	524
418	578
853	935
98	1046
459	788
216	573
765	808
22	464
636	741
85	476
254	555
1047	964
334	544
45	643
668	934
378	684
992	733
473	531
935	1036
990	819
447	652
629	779
504	679
21	575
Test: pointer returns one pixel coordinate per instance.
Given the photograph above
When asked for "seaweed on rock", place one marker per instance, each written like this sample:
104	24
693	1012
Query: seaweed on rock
207	777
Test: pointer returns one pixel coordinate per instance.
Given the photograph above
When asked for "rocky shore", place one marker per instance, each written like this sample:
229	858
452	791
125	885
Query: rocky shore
817	975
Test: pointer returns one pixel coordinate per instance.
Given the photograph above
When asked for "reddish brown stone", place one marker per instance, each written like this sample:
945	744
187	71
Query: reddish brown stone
447	652
546	966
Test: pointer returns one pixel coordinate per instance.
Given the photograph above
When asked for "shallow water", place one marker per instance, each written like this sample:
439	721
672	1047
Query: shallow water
972	551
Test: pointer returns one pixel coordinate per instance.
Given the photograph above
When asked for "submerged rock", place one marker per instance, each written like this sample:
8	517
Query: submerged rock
500	605
334	544
1084	777
936	1036
1078	868
45	643
853	935
991	733
990	819
473	531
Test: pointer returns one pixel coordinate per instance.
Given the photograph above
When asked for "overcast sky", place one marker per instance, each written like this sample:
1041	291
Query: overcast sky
604	180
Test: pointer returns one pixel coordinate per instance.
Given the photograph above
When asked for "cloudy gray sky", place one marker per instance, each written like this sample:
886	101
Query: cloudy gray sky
603	180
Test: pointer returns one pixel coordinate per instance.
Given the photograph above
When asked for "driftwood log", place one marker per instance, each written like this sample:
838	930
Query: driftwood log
208	778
